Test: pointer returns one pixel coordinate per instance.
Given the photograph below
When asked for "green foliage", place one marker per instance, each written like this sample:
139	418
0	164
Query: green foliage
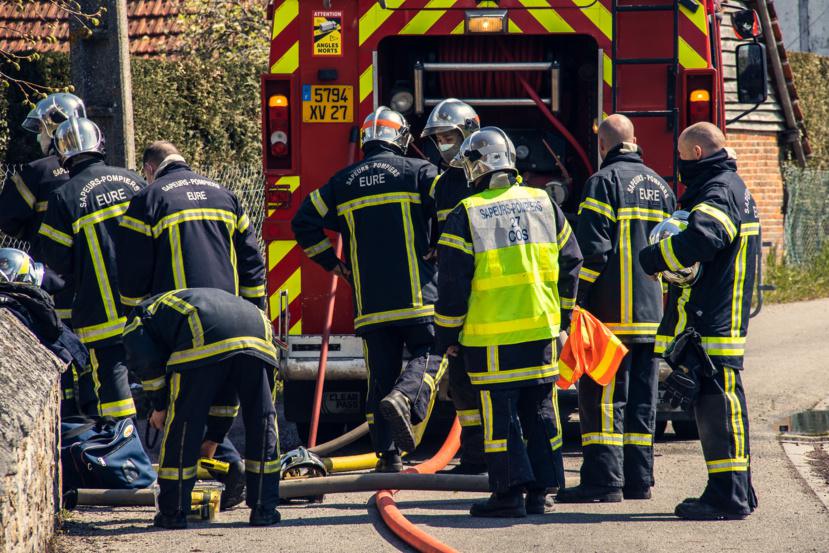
233	31
811	76
209	108
797	282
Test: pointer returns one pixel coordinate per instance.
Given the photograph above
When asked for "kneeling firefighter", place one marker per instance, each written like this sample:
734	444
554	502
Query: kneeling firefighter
214	345
381	207
507	255
450	123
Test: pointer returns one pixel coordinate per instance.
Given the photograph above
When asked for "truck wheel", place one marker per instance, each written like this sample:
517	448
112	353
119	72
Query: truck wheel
686	430
659	431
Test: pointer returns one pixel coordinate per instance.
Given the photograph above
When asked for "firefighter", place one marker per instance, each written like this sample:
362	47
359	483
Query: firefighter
723	236
381	207
622	202
449	124
180	224
509	271
193	345
77	241
23	203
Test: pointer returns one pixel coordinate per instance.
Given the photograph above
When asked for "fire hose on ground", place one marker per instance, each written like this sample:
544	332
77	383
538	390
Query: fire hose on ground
395	520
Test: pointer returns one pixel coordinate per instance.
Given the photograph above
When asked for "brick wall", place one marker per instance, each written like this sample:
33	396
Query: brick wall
758	163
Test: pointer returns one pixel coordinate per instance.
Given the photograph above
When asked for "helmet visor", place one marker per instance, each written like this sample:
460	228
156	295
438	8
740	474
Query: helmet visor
33	122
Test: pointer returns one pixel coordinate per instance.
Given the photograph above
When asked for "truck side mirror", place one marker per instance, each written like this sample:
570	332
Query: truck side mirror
752	73
746	24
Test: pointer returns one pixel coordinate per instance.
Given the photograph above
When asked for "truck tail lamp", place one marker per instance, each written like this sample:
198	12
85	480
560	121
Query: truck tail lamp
701	96
485	21
279	124
699	106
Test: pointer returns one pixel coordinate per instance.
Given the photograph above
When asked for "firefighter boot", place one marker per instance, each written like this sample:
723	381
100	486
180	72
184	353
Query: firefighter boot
585	493
538	502
699	510
636	493
397	410
260	516
389	461
175	521
501	505
234	481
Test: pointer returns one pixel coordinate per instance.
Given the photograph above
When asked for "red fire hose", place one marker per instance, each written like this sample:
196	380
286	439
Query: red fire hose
395	520
329	319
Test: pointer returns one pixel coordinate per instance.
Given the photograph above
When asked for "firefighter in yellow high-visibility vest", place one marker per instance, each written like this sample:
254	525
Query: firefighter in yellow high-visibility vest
507	283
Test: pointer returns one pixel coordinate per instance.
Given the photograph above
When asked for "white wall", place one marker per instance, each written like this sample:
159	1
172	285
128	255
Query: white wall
793	14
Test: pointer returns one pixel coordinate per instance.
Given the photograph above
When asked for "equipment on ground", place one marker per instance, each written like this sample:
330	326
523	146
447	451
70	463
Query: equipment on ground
672	226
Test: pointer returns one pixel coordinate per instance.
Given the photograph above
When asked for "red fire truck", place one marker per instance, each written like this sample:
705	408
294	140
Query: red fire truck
546	71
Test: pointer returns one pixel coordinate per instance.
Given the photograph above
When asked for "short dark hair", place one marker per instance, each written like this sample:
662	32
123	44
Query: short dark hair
157	151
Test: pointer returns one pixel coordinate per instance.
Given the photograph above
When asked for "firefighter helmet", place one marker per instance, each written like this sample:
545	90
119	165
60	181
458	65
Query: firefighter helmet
78	136
387	126
484	152
451	117
672	226
17	266
52	111
301	463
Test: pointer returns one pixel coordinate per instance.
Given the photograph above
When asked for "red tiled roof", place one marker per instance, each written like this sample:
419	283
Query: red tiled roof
153	26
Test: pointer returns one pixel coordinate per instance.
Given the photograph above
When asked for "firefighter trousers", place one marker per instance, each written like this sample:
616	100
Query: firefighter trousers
111	381
522	437
191	396
77	392
220	418
383	352
617	423
467	401
722	419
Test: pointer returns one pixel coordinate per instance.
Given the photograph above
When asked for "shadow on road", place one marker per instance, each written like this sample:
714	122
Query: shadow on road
466	521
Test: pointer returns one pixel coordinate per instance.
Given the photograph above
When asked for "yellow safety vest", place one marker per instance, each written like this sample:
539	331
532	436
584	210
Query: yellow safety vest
514	295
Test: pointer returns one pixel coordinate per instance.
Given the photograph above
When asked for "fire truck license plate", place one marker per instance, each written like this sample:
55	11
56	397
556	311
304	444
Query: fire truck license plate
327	104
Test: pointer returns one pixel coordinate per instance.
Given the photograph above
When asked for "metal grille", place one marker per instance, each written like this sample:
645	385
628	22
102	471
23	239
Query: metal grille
6	171
247	182
807	214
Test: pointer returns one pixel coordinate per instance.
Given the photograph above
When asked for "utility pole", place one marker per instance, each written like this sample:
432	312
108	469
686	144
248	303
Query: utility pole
100	67
804	24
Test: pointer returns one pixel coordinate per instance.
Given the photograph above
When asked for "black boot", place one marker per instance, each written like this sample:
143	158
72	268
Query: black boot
699	510
397	410
636	492
467	468
260	516
176	521
538	502
389	461
586	493
234	481
500	505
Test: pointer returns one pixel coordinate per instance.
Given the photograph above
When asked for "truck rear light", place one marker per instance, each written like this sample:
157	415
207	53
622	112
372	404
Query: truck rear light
486	21
699	106
279	124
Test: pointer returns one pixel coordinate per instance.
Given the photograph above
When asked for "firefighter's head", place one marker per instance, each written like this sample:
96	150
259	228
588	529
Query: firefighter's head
77	139
613	131
386	126
157	156
450	123
700	140
50	112
486	152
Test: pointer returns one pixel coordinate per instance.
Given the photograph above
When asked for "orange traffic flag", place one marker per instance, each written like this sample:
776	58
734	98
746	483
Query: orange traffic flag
591	349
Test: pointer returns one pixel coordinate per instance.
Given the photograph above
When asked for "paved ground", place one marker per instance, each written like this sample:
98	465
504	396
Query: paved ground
786	372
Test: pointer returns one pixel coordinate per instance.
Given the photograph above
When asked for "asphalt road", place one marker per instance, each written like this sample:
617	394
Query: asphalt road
786	371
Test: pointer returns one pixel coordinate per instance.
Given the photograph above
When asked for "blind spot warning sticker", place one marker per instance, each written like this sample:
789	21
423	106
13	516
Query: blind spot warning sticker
328	33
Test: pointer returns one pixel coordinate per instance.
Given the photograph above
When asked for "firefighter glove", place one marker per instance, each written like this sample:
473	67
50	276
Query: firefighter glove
681	389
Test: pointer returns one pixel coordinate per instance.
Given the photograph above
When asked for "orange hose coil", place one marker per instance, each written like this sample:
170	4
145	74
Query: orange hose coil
395	520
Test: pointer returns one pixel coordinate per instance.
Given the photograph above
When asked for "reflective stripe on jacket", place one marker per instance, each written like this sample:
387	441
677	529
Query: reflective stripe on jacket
78	234
509	269
622	203
184	231
381	206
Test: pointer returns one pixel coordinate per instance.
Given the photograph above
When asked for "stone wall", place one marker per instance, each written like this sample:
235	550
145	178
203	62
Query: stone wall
29	434
758	163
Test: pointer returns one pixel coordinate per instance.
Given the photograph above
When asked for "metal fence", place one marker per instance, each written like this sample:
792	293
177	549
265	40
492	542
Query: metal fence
248	182
807	214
